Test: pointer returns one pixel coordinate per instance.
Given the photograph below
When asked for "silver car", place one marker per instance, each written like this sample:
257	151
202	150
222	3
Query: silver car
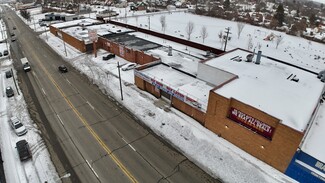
18	127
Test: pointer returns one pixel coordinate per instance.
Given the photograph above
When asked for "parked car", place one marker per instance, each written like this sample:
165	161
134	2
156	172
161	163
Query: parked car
9	92
63	69
0	54
13	39
12	34
8	74
5	53
18	127
23	150
109	56
14	27
128	66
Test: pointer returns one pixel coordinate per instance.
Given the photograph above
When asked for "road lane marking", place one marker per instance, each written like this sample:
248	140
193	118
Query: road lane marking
129	144
68	81
85	123
43	91
60	120
90	105
92	169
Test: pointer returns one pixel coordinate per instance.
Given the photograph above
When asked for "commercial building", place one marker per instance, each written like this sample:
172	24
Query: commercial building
262	106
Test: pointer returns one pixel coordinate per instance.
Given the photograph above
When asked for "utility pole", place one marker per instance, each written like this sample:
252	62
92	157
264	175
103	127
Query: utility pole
119	76
228	32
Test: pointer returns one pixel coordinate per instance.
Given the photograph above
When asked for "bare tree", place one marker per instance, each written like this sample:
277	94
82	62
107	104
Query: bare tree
220	35
163	22
278	41
204	33
189	29
240	27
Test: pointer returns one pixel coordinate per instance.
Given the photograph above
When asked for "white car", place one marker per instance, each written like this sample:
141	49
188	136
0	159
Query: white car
128	66
18	127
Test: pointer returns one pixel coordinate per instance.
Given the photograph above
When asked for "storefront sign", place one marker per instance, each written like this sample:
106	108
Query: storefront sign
175	93
251	123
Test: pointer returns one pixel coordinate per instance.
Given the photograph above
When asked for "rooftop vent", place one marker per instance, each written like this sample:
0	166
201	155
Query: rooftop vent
170	51
258	58
321	75
249	57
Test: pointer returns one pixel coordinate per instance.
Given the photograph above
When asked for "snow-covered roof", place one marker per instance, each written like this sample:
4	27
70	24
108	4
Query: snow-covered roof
85	22
314	144
185	84
268	87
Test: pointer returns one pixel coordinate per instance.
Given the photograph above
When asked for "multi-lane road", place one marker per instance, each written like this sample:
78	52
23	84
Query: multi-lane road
88	135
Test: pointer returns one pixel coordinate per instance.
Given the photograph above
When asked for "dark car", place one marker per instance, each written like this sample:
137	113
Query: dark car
23	150
5	53
14	28
109	56
63	68
8	74
9	92
12	34
0	54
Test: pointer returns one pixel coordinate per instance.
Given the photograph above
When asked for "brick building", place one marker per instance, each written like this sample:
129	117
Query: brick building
262	108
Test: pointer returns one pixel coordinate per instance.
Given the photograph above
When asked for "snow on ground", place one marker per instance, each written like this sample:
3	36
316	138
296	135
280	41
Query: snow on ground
292	49
212	153
40	168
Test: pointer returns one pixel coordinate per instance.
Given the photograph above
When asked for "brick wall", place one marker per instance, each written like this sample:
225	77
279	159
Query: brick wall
189	110
276	152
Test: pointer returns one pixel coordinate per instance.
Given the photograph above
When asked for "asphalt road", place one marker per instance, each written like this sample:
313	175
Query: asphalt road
89	135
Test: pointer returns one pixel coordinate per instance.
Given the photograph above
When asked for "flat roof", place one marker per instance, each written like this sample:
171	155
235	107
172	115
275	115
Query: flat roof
268	87
86	21
81	32
314	140
132	41
185	84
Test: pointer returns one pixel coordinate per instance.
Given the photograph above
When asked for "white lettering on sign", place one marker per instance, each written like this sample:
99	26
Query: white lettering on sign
251	123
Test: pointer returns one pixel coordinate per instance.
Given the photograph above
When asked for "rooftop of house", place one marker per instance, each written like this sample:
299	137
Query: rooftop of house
285	92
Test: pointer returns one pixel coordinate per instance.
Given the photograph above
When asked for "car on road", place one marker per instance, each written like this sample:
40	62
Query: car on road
26	67
8	74
14	27
9	92
23	150
63	68
5	53
128	66
109	56
18	127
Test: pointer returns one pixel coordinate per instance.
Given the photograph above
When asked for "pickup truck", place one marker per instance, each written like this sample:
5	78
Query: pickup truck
26	65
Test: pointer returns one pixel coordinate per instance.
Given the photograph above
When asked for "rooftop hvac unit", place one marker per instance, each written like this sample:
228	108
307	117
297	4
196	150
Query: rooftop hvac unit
320	74
258	58
170	51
